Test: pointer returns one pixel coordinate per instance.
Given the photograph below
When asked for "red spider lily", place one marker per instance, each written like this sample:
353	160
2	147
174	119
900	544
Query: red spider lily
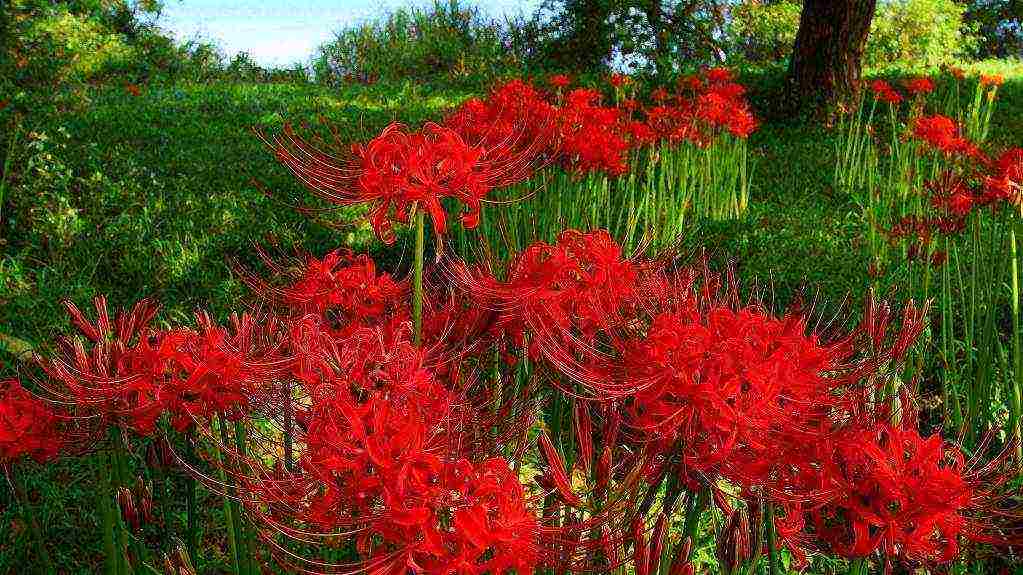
590	134
400	170
133	374
28	426
719	75
383	445
951	195
581	284
1006	182
884	92
102	380
345	287
919	86
916	499
620	80
659	95
991	81
559	81
722	110
942	134
221	369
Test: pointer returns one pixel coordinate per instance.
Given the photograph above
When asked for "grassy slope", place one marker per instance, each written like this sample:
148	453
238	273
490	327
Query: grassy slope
159	194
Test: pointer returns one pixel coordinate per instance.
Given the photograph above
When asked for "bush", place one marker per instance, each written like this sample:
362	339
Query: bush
904	33
764	33
448	41
918	33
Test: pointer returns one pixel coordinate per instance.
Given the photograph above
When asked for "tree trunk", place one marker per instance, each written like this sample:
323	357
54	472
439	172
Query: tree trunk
829	47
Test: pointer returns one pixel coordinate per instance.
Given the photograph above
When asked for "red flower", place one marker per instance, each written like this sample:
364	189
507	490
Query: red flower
991	81
619	80
913	498
719	75
28	426
942	134
559	81
400	170
1006	182
919	86
884	92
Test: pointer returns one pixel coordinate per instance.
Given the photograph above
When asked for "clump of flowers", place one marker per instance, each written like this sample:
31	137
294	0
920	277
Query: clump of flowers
29	427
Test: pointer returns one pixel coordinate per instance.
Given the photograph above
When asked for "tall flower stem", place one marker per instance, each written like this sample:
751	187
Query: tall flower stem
692	524
120	461
772	540
192	540
1017	348
230	506
246	546
22	502
417	279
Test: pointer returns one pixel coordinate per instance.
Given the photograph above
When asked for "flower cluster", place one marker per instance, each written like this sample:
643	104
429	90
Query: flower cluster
28	426
942	134
954	196
125	373
713	389
402	170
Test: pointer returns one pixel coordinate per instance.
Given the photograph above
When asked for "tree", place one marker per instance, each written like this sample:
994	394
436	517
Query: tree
826	57
582	34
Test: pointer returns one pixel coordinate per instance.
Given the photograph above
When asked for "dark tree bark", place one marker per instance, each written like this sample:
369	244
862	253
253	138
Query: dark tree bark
826	58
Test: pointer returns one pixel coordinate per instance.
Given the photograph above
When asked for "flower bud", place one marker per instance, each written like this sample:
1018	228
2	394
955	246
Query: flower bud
639	548
126	502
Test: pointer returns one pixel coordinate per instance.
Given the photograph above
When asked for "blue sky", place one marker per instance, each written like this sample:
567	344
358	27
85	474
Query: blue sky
281	32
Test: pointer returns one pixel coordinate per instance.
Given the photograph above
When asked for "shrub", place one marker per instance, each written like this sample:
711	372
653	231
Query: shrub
904	33
764	33
448	40
918	33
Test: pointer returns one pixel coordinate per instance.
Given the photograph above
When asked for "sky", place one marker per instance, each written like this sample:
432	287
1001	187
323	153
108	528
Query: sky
282	32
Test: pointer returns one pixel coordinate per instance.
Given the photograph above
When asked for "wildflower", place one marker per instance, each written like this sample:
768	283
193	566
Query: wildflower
400	170
1006	181
919	86
620	80
28	426
559	81
942	134
719	75
912	497
884	92
991	81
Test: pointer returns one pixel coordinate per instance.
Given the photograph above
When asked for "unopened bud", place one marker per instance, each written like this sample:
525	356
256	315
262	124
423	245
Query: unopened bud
126	502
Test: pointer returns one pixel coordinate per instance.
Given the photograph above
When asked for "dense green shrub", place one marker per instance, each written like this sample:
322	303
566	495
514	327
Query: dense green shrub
764	32
904	33
924	33
449	40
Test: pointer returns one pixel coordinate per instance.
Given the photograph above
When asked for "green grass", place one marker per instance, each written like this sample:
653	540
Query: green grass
153	195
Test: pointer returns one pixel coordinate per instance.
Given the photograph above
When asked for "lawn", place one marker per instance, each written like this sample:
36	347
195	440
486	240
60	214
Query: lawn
154	195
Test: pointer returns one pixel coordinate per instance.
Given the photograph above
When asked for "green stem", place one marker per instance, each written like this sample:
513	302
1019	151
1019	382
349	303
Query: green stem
120	458
1017	349
417	280
229	504
692	524
772	540
247	548
193	534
